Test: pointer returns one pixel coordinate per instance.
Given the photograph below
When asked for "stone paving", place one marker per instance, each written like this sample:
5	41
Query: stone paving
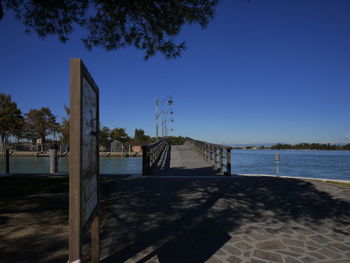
255	219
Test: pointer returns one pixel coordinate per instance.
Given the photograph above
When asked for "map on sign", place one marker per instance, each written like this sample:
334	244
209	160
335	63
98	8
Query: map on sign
89	150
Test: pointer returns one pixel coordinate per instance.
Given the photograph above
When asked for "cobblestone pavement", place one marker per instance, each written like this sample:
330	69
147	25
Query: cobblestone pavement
256	220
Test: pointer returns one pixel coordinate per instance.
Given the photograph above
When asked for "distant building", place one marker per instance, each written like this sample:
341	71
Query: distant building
116	146
136	148
24	146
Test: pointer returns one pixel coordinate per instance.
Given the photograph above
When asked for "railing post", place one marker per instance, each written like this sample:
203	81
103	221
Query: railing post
53	161
145	162
210	154
215	157
207	152
7	161
228	161
221	159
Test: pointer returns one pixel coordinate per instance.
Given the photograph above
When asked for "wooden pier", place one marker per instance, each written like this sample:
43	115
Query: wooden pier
194	158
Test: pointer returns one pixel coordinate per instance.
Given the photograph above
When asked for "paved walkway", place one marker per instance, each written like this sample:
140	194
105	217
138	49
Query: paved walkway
248	219
182	161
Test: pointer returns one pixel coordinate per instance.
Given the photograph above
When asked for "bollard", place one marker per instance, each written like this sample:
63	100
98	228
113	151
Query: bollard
228	162
53	161
145	161
277	160
7	161
221	159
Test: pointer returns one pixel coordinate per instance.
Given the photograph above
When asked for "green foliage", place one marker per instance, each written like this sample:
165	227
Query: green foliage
40	123
179	140
119	134
105	136
310	146
64	128
11	119
146	25
139	136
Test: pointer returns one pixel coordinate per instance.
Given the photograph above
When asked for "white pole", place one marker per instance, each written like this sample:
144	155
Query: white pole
157	118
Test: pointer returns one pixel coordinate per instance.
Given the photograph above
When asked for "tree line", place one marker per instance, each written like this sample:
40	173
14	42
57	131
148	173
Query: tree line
42	123
310	146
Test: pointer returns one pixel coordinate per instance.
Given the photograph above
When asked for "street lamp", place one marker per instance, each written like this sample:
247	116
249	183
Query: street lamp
170	103
164	122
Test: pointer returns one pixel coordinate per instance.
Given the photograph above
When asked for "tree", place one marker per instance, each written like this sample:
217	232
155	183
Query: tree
139	135
119	134
179	140
65	126
11	119
105	136
146	25
41	123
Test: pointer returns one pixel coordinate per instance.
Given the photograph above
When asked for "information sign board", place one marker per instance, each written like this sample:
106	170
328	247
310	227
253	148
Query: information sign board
83	160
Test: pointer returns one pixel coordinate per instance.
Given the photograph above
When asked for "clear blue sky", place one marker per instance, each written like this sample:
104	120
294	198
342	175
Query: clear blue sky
262	72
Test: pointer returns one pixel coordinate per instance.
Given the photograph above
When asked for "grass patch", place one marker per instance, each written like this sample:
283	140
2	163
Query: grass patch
347	185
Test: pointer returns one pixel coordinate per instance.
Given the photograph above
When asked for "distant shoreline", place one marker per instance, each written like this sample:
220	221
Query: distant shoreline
64	154
305	150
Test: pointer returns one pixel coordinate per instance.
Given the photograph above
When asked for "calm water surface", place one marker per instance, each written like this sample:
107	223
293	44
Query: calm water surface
108	165
320	164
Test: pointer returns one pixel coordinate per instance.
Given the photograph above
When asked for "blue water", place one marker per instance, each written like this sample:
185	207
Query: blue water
319	164
108	165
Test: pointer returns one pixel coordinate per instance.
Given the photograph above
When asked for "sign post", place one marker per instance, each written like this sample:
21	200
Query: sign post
83	161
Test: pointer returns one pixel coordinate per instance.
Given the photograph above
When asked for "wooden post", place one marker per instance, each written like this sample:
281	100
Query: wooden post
211	155
83	186
144	160
215	157
53	161
228	161
75	165
95	240
7	161
221	159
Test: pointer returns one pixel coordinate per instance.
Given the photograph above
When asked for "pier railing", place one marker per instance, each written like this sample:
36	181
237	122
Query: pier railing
151	154
215	154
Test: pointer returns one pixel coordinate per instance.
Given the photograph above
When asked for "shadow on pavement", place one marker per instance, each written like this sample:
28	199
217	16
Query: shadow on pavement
190	219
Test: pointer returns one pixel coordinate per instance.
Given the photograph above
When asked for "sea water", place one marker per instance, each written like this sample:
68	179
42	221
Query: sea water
318	164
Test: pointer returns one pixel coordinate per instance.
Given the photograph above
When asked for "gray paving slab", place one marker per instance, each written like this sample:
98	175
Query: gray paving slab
215	220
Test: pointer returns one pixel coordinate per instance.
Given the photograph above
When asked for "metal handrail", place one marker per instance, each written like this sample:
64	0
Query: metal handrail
214	154
151	154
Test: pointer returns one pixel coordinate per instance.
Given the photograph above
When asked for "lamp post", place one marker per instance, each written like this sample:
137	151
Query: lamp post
165	121
170	103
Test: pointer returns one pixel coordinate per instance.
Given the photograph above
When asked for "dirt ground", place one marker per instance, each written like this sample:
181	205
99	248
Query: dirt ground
33	219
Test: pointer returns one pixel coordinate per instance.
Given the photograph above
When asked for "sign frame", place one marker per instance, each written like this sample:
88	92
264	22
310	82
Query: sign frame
77	224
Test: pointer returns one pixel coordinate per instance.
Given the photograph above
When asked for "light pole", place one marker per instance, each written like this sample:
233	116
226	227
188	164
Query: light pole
170	103
165	120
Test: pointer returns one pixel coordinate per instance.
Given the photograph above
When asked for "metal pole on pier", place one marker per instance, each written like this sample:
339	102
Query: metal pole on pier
53	161
7	161
157	118
277	160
